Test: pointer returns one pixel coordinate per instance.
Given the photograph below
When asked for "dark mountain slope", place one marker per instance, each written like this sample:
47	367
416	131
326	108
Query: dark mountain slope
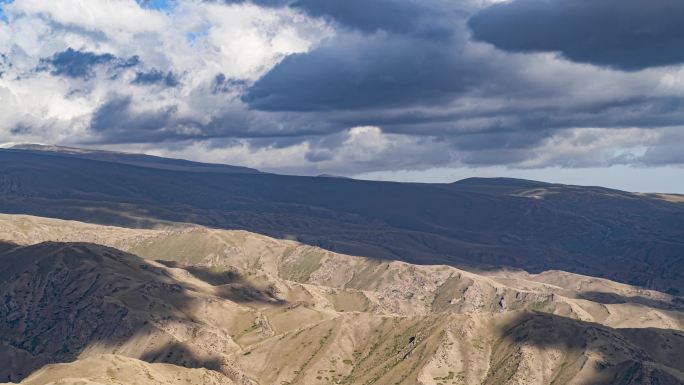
135	159
473	223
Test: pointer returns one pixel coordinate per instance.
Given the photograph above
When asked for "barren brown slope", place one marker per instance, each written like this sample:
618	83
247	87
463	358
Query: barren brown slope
264	311
109	369
361	348
365	284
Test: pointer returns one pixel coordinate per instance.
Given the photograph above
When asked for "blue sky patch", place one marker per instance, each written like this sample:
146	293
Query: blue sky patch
192	36
156	4
3	17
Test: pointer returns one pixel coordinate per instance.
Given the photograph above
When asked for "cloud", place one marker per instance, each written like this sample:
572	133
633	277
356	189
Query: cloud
666	149
121	122
155	76
323	86
222	84
627	35
386	54
388	15
80	64
91	77
411	17
350	151
368	148
360	72
114	19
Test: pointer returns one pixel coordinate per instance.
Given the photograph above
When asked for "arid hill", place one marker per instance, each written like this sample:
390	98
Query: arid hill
184	304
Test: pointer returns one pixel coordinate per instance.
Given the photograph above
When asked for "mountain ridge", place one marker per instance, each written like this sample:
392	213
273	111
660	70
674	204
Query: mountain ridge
623	236
133	159
230	306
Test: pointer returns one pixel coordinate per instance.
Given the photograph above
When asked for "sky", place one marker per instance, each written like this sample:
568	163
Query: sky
570	91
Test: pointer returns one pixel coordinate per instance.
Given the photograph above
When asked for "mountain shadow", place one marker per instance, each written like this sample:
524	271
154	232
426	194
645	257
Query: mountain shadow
677	303
472	224
180	355
567	349
230	284
61	299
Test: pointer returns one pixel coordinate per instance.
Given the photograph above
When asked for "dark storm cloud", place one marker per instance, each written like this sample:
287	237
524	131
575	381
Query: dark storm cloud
79	64
5	64
668	149
500	140
365	72
424	17
386	77
155	76
319	155
222	84
116	122
119	121
285	128
388	53
418	18
628	35
20	129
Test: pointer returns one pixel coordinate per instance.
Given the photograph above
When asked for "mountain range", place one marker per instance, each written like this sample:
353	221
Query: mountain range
474	223
122	268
